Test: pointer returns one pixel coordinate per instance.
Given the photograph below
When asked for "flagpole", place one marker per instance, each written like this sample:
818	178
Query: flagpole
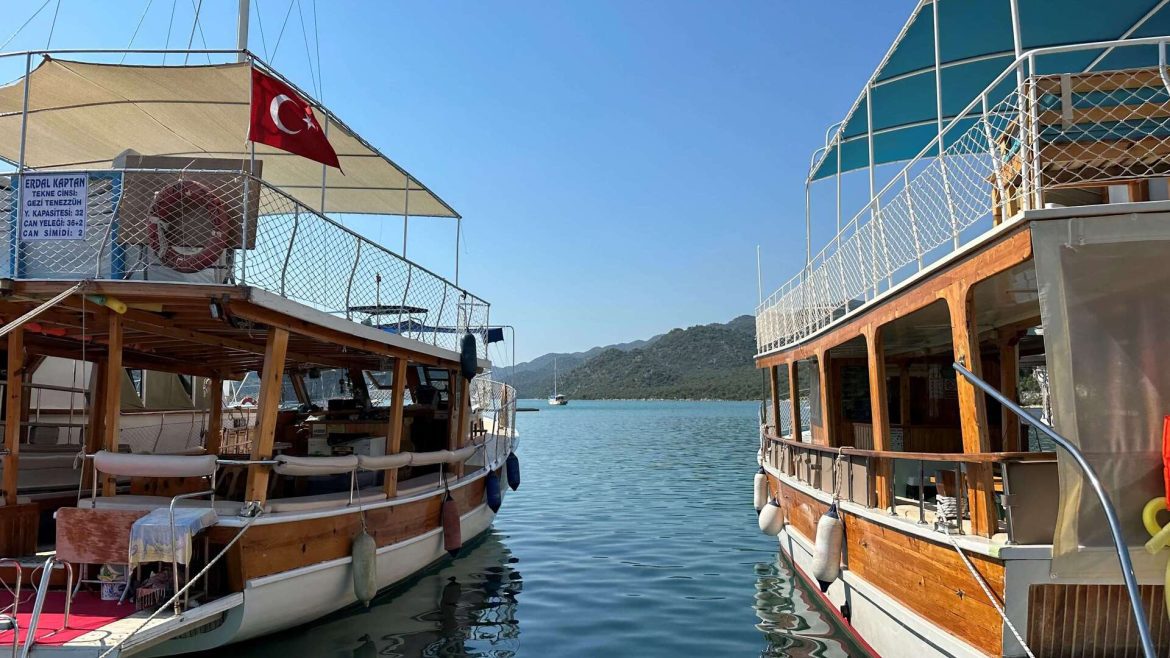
248	176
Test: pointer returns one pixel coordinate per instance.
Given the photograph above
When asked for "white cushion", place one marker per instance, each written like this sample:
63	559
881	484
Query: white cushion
130	465
431	457
383	462
315	465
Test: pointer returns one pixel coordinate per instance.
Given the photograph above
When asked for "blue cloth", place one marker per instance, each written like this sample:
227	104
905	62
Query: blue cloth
150	536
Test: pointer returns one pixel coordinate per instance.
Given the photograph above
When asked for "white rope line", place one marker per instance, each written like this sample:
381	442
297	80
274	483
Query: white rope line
281	34
170	24
136	28
53	25
25	24
990	595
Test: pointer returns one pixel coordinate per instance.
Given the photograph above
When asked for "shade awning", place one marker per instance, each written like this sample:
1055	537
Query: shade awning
976	44
82	115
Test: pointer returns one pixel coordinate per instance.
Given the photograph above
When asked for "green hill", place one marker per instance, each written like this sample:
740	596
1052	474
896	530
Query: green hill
711	361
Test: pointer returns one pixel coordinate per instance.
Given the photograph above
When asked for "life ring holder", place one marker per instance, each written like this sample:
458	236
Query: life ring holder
167	205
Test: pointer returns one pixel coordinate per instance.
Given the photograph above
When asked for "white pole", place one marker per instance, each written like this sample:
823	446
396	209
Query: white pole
405	215
458	231
807	226
242	30
759	278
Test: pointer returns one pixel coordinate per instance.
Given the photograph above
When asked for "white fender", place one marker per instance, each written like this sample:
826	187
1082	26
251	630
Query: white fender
826	564
772	519
365	567
761	497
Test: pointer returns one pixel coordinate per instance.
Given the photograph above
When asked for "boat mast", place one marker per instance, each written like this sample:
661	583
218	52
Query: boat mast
242	30
554	376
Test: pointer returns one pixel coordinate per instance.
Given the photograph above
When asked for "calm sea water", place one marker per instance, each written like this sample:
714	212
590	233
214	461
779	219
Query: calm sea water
632	534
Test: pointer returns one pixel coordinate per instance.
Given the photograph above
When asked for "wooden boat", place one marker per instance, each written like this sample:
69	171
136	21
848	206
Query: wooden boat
972	373
321	495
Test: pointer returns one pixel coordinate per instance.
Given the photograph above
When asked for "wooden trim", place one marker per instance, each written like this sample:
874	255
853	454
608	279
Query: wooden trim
774	379
1009	385
827	406
972	407
300	327
464	425
794	396
394	429
13	404
1009	251
879	411
966	458
271	380
112	407
93	425
214	415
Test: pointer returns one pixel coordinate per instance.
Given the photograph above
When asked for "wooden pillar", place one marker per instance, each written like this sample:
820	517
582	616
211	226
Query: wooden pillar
93	424
774	378
794	396
271	381
111	409
214	415
826	394
904	400
972	408
12	413
879	410
460	418
1009	385
395	428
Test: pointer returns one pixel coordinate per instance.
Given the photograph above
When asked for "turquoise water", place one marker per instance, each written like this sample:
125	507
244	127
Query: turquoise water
632	534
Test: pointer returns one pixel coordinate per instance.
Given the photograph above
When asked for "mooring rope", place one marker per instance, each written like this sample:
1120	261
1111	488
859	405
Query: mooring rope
990	595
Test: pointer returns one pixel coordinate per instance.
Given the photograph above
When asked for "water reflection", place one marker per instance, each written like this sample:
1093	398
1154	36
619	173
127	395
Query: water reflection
464	607
792	618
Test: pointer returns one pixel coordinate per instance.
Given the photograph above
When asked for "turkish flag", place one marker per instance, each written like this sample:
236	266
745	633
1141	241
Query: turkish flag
281	118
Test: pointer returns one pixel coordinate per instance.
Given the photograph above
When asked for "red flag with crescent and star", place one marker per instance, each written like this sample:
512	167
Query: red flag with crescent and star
281	118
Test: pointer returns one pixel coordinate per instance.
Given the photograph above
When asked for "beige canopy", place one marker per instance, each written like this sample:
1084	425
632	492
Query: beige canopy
82	115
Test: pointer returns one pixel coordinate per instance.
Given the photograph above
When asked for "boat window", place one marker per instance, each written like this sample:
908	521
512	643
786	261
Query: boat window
136	378
322	385
288	394
188	384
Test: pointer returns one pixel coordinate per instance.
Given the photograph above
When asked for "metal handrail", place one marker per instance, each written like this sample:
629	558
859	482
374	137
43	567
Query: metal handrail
42	591
1122	550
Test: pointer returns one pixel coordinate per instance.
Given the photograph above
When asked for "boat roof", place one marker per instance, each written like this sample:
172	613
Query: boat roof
976	44
83	115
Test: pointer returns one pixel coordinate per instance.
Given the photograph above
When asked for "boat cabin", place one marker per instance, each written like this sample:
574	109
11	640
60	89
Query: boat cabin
1005	285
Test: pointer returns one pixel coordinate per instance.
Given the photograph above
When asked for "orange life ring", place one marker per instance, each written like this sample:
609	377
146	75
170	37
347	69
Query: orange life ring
169	203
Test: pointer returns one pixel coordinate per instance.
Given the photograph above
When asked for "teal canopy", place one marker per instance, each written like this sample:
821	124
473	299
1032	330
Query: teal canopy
975	45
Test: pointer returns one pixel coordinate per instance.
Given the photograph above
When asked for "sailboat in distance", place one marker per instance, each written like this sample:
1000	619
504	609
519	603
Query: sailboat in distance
556	399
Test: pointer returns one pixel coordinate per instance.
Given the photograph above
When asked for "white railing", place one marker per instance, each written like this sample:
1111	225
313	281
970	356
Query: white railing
269	240
496	402
1019	144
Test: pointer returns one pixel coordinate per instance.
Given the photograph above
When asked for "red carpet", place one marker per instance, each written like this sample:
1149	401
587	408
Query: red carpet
89	612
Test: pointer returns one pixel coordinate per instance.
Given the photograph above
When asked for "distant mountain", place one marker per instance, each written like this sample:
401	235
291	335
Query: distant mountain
534	379
705	361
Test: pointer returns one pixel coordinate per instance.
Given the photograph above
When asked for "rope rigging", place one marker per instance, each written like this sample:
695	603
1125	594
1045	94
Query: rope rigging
136	28
25	24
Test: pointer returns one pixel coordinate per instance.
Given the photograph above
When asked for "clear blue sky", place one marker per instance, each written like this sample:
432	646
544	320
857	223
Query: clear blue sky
616	162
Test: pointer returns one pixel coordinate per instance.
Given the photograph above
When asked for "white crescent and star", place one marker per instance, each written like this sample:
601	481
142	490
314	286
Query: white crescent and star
274	112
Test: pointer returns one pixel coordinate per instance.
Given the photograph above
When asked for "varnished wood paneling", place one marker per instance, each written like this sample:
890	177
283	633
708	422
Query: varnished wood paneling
925	576
1089	621
273	548
95	536
18	529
